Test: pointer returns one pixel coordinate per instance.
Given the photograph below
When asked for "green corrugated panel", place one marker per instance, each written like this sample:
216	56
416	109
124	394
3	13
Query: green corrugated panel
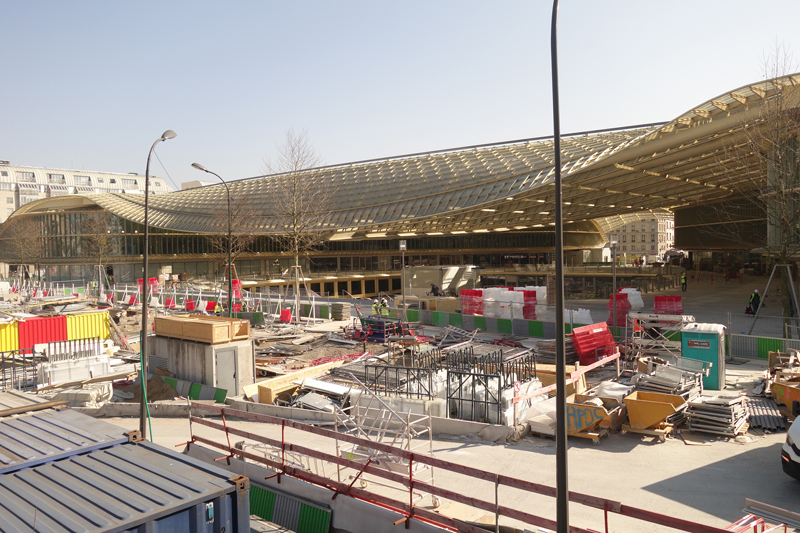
413	315
172	382
324	311
313	520
673	336
258	318
437	318
220	395
262	502
456	320
67	291
194	391
768	345
80	290
480	322
504	325
307	310
567	329
535	329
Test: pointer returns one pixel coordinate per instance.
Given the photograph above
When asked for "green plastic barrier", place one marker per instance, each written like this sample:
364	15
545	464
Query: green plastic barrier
504	325
438	318
324	311
480	322
456	320
536	329
766	345
413	315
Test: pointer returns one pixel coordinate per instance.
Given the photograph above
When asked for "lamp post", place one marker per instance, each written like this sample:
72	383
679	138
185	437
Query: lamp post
562	478
198	166
169	134
614	279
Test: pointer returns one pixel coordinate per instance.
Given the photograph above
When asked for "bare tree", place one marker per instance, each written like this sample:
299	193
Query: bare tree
243	229
99	238
23	241
301	200
763	165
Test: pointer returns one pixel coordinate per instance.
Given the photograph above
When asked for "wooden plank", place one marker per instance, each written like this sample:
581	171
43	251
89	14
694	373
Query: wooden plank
31	407
282	381
99	379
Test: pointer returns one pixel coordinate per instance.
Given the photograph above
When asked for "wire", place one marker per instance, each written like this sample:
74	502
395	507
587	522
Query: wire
175	187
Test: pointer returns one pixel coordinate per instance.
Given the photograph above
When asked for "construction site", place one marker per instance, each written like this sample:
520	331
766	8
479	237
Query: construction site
346	413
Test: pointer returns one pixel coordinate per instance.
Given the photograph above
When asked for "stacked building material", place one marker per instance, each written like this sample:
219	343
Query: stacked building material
723	416
764	414
472	301
671	380
546	351
618	310
505	302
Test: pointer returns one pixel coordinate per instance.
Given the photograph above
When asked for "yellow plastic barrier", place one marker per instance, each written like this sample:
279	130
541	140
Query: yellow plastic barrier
88	325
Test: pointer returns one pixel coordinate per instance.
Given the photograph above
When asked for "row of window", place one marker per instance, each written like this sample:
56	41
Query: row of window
60	179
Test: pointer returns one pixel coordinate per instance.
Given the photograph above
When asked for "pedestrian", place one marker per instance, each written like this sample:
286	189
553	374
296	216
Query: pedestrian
683	282
435	290
755	301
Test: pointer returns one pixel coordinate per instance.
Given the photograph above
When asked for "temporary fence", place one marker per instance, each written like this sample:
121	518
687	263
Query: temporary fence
407	510
18	369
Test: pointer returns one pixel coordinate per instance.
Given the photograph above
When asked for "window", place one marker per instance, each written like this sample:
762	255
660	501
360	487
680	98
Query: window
633	248
624	248
625	238
112	180
652	248
100	180
4	174
26	177
652	237
129	183
9	200
624	229
83	180
9	210
56	178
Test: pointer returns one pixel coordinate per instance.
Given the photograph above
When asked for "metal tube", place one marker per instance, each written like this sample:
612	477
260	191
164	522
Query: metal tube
562	490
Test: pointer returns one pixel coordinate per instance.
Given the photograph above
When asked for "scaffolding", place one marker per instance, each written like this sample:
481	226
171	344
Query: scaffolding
377	422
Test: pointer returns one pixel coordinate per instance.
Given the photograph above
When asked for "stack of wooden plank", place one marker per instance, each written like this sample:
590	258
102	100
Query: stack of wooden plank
723	416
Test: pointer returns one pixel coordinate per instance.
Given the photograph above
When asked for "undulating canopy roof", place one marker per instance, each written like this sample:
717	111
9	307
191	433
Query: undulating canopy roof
489	188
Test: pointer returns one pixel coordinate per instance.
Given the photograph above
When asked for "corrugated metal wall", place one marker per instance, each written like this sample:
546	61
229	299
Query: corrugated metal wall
41	331
9	337
88	325
287	511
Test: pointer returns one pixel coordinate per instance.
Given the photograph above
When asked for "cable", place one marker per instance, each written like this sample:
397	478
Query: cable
167	172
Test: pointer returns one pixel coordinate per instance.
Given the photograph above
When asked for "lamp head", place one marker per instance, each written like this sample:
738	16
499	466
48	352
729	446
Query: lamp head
169	134
198	166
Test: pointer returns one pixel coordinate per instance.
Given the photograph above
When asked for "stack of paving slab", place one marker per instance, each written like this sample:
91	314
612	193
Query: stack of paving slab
723	416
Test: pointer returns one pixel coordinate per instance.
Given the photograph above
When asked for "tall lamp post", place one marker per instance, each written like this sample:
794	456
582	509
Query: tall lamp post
614	278
198	166
169	134
562	478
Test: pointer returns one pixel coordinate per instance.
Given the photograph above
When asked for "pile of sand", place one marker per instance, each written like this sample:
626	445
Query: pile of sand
156	390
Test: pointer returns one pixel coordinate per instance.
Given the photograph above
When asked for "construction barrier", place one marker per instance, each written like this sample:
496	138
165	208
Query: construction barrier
753	347
88	325
9	337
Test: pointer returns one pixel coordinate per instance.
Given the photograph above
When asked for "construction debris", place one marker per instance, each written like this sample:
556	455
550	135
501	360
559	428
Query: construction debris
723	416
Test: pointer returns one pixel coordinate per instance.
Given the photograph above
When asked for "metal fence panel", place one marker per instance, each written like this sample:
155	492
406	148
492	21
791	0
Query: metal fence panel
743	346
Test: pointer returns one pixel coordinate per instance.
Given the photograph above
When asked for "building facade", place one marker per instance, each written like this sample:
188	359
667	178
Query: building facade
648	237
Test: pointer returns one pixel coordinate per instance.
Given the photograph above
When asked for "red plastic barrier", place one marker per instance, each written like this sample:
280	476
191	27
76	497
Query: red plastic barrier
189	305
169	303
593	342
669	304
237	308
42	330
623	306
286	315
211	307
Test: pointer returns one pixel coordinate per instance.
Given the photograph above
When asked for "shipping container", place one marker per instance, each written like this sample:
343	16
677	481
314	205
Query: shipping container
34	331
137	486
9	337
47	436
88	326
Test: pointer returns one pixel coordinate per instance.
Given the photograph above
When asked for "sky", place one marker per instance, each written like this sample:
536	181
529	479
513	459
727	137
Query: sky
90	85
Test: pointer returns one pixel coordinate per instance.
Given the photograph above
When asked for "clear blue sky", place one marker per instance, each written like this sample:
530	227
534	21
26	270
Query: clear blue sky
91	84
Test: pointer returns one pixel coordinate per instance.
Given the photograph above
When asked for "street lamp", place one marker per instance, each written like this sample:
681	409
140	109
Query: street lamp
169	134
198	166
614	278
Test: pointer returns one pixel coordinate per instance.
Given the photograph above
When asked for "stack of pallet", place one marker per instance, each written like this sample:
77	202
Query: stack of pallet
723	416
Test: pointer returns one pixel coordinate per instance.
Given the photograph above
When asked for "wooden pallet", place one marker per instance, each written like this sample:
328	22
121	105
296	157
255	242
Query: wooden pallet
660	432
594	435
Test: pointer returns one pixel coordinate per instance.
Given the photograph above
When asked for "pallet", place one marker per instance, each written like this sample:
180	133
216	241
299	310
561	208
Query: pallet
661	432
595	436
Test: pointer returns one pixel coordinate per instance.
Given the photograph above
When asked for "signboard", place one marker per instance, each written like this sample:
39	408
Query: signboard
402	245
705	345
